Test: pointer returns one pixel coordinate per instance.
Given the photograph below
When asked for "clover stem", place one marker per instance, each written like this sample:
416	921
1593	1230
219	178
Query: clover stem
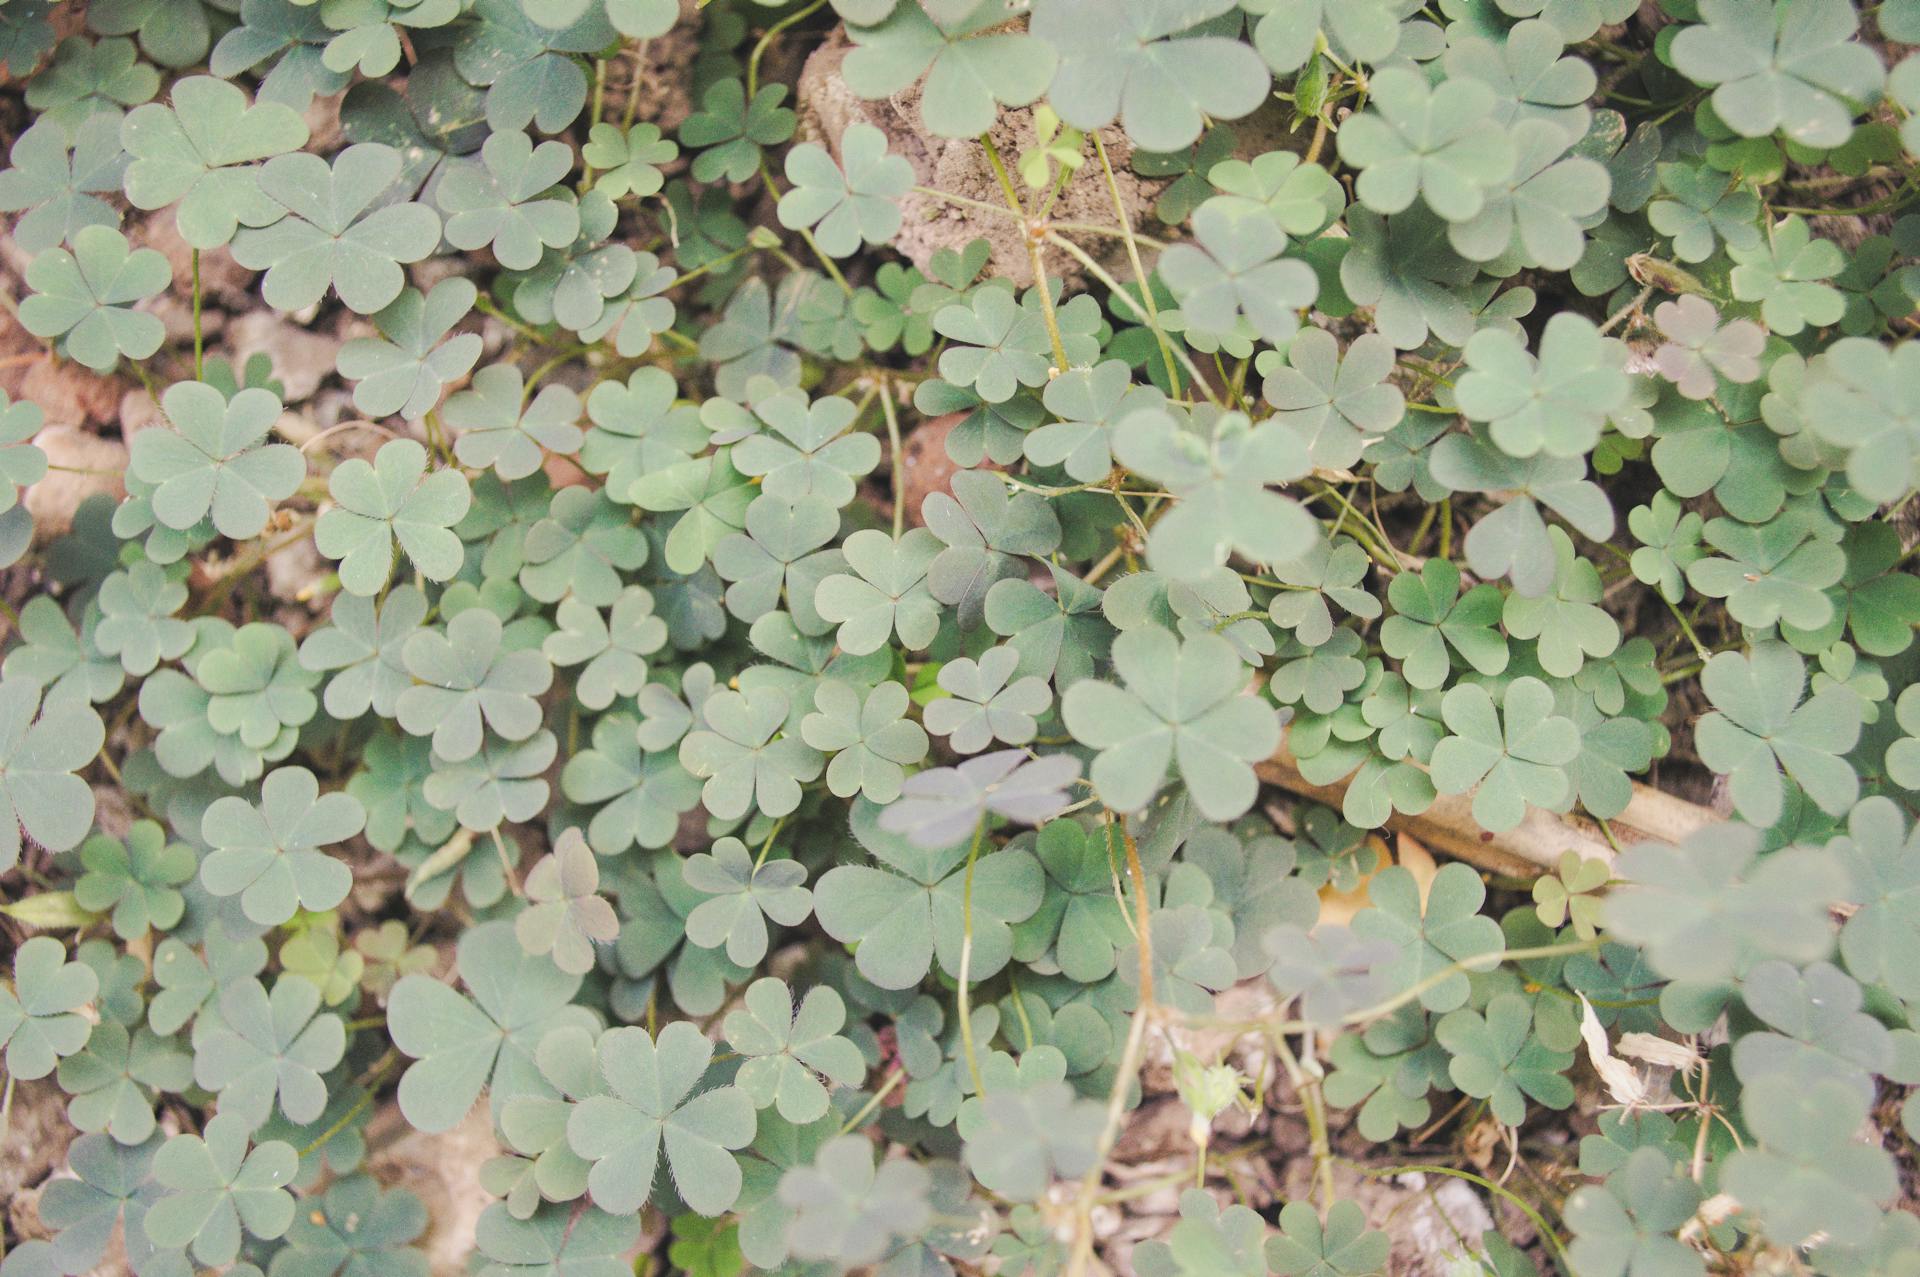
888	411
1533	1216
966	957
767	846
766	40
199	341
633	90
1446	527
1306	1078
1131	242
359	1106
894	1079
1142	311
506	861
599	104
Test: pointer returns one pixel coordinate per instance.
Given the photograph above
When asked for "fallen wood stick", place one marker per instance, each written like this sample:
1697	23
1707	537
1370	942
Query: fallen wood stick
1531	848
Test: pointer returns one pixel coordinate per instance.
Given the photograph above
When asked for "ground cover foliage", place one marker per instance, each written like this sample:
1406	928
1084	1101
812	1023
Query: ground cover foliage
1504	398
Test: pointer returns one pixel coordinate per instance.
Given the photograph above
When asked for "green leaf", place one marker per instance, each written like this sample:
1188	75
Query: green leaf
359	1229
41	746
902	916
1220	469
499	429
650	1104
854	201
1809	1174
420	355
1708	910
1557	402
1784	273
393	500
984	702
138	879
742	896
845	1210
55	180
364	651
631	159
332	234
1496	1057
1234	270
216	1187
1761	730
1342	1246
467	678
1028	1128
462	1047
788	1051
1432	932
1184	707
86	297
565	916
1625	1227
201	153
1786	66
501	200
1116	61
731	130
967	67
269	854
40	1017
267	1048
1431	616
1420	141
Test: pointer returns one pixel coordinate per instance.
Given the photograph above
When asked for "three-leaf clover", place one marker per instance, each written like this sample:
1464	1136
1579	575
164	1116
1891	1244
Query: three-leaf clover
1425	141
856	200
41	746
1498	1057
201	153
468	677
1791	67
566	915
788	1050
1517	754
269	853
420	354
267	1047
888	597
1761	730
1438	933
741	897
985	702
56	181
86	296
40	1017
746	756
1335	402
392	500
867	735
213	463
1185	706
335	233
216	1187
650	1105
497	200
138	880
1341	1246
1234	270
730	130
1432	616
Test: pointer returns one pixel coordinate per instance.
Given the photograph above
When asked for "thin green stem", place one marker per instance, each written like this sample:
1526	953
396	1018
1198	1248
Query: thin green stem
865	1111
766	41
898	458
965	976
199	339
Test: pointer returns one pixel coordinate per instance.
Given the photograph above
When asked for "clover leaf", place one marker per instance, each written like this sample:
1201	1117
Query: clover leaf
216	1187
847	203
267	1047
138	880
742	895
86	296
1424	141
269	853
41	746
201	153
788	1051
845	1210
888	597
966	65
333	234
730	130
497	201
360	1229
649	1106
392	500
1116	61
1624	1228
1762	730
56	181
915	909
1431	616
40	1017
1434	932
364	651
1557	402
420	355
1234	269
1184	706
1221	474
1792	68
1710	909
461	1047
1341	1246
984	702
630	157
